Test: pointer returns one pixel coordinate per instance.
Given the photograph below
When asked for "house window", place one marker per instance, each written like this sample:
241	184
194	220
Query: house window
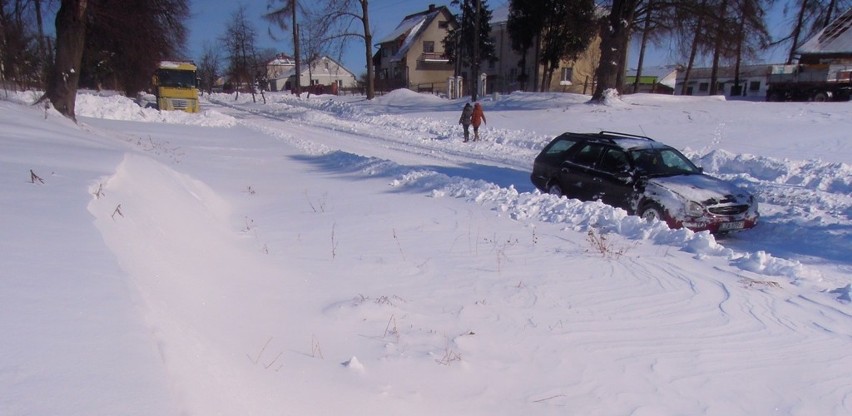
754	86
385	52
704	86
567	74
428	46
443	24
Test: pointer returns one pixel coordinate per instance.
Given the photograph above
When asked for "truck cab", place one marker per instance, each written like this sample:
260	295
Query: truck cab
176	86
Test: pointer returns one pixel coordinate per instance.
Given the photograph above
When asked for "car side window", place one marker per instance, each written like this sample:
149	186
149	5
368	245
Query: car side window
588	154
614	161
559	147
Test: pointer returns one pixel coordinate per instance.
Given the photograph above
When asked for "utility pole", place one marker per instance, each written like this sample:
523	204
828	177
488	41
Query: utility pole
474	78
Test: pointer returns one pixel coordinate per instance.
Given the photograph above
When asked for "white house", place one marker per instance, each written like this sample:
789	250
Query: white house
322	73
656	79
752	81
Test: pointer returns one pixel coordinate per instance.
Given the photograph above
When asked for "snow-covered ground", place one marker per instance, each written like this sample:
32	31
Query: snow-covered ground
332	255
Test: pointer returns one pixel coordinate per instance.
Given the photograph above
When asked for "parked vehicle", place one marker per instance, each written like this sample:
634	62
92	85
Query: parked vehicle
644	177
176	86
809	82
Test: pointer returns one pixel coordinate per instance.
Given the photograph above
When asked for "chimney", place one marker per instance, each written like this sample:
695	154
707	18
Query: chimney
432	7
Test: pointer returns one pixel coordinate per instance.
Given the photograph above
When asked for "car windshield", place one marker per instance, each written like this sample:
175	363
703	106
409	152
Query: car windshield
662	162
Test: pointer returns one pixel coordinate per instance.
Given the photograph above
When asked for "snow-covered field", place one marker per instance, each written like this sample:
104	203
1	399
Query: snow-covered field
332	255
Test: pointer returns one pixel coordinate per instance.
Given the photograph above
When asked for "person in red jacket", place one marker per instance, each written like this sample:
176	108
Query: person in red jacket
477	118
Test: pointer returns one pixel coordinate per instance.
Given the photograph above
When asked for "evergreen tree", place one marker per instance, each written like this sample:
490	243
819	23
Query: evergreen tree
460	45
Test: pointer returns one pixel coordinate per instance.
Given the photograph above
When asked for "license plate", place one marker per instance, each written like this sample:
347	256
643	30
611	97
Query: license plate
727	226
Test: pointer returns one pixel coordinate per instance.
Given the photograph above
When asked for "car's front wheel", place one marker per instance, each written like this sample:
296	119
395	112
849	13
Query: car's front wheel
652	212
554	189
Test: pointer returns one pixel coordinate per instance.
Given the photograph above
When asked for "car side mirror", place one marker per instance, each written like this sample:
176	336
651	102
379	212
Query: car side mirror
625	176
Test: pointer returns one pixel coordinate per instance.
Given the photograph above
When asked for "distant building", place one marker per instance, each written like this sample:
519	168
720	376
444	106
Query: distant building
506	75
654	80
323	75
830	49
412	56
832	45
752	81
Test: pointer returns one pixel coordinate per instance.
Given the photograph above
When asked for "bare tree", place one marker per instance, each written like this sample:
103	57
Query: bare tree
338	17
154	30
314	45
209	67
751	35
279	15
99	28
690	23
655	18
240	44
806	18
24	54
70	38
42	44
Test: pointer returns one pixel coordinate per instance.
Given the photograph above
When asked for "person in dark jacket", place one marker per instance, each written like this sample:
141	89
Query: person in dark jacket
464	120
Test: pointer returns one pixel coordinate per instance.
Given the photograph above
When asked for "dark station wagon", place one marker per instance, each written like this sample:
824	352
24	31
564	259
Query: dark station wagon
644	177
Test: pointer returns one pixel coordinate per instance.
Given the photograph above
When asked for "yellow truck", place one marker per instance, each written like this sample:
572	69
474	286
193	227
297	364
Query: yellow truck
176	86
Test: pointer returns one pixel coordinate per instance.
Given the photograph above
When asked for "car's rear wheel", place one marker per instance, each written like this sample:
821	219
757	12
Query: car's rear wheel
652	211
554	189
822	96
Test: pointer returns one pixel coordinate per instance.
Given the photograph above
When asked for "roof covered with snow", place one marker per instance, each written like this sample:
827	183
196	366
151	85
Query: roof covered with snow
833	39
410	29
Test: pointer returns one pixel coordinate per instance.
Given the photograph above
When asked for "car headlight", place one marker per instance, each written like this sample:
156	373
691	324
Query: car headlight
752	201
694	209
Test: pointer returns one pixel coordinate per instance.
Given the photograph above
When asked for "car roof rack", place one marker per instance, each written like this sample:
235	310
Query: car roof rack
626	135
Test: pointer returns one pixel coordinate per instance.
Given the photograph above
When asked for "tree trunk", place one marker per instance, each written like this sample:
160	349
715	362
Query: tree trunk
740	39
615	37
797	30
645	30
70	38
829	12
297	84
535	65
368	42
474	77
39	23
693	51
3	43
717	48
